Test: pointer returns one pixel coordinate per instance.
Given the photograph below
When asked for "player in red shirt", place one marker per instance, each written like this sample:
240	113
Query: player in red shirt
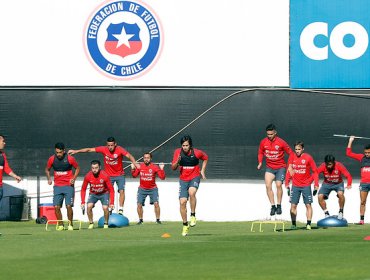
4	166
365	175
273	149
148	171
302	169
333	181
187	159
100	189
113	165
64	180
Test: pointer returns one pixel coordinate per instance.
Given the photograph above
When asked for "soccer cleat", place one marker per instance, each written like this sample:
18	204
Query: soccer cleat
60	228
70	227
278	210
293	227
273	210
308	227
158	222
185	230
120	212
91	226
361	222
105	226
139	223
193	221
340	216
327	215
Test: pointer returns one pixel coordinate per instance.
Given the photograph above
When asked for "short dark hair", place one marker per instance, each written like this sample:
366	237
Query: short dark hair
299	143
270	127
186	138
111	139
367	147
60	146
148	153
329	158
95	161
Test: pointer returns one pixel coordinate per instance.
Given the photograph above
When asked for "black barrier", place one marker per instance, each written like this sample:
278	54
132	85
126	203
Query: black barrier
33	120
12	207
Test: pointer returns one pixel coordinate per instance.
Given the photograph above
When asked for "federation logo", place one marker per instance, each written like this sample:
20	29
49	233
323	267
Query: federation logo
101	180
277	147
123	39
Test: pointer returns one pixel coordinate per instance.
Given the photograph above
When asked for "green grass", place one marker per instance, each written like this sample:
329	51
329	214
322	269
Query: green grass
211	251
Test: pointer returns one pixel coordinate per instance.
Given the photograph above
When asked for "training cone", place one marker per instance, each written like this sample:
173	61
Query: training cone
166	235
367	237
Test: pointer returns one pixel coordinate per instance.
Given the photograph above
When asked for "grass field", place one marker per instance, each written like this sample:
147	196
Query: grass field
213	250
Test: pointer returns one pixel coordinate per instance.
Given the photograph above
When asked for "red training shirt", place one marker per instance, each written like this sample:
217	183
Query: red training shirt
62	169
113	160
302	166
365	169
274	152
188	173
4	167
335	176
148	174
99	184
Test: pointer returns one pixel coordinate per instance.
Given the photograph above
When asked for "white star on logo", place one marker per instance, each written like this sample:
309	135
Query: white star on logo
123	38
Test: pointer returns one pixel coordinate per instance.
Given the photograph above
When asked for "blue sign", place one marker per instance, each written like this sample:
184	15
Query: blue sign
329	44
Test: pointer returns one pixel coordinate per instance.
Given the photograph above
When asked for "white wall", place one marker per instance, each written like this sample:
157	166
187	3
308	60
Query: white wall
206	43
218	200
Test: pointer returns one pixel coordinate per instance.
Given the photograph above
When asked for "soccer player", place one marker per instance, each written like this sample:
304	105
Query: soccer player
100	189
333	181
113	165
302	169
273	148
64	180
187	160
4	166
148	172
364	159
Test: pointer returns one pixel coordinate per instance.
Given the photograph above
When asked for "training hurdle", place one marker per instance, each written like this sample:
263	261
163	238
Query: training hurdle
275	223
64	221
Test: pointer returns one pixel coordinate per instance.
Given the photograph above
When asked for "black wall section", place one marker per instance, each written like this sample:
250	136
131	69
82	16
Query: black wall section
140	119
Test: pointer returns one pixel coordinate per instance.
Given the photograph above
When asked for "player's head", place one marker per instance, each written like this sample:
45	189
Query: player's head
271	131
367	151
329	162
60	149
147	158
2	141
95	166
186	143
299	148
111	143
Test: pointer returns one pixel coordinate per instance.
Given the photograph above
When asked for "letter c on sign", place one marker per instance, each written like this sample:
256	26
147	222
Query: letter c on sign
336	40
307	40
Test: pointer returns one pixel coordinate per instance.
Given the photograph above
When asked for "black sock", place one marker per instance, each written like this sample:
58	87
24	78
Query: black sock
185	224
105	223
278	205
327	213
294	223
308	222
341	210
192	214
362	217
158	220
141	220
91	223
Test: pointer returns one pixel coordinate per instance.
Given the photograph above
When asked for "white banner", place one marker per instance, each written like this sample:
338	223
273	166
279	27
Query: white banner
198	43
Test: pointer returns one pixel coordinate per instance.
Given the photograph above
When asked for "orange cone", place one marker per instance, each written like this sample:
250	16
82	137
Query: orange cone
166	235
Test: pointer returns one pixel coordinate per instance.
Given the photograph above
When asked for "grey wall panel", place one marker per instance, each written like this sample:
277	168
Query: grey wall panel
140	119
